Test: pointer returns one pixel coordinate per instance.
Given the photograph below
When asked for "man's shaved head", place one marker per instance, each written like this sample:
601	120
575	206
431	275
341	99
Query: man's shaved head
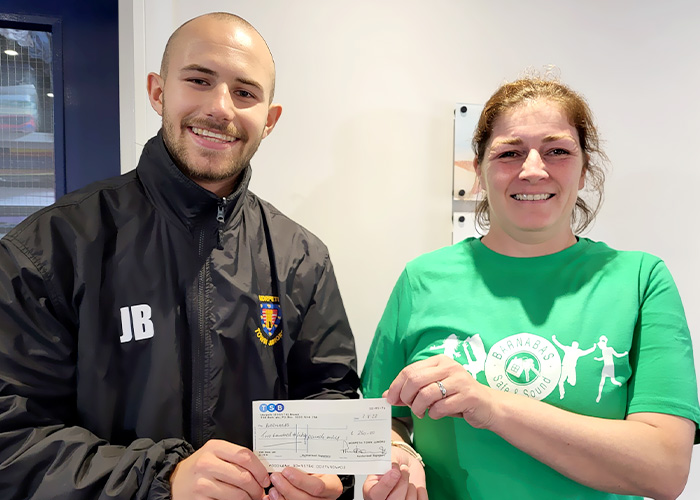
214	94
220	16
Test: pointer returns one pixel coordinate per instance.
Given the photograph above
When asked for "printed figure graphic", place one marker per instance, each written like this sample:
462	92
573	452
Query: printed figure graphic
568	364
477	357
608	364
449	345
473	348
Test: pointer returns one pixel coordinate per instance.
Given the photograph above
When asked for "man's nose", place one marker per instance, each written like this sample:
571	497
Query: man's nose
220	105
533	168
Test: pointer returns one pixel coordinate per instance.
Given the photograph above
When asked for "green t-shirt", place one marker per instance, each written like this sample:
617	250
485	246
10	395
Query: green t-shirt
589	329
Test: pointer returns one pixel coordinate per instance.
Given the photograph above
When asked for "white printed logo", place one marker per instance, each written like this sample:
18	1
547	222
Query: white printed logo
523	364
139	318
472	349
572	354
606	357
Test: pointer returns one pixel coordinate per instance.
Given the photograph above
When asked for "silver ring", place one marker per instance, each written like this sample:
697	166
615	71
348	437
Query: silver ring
442	389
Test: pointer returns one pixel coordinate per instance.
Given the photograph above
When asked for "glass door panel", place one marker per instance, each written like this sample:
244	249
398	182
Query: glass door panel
27	164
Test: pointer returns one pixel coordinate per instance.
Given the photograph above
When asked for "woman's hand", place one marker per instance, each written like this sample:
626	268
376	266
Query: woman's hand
405	480
420	386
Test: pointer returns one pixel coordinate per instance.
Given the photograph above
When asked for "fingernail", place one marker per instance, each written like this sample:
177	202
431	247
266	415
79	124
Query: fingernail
274	479
288	473
273	494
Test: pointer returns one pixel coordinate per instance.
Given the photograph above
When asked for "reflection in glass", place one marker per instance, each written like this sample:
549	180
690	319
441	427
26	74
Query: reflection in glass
27	170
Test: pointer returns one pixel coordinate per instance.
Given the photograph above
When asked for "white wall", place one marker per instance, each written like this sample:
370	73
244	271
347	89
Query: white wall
363	153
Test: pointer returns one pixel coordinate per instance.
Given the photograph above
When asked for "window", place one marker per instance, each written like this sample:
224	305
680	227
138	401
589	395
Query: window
27	163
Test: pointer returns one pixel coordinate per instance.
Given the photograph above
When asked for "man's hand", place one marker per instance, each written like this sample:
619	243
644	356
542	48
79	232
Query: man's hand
219	470
294	484
405	480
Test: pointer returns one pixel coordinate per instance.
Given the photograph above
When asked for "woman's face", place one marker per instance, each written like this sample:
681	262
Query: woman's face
532	172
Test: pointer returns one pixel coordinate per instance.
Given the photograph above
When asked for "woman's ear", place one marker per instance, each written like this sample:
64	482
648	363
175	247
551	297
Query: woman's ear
584	171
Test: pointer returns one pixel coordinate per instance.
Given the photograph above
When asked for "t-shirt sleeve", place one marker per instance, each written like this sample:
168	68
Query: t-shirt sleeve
663	379
388	354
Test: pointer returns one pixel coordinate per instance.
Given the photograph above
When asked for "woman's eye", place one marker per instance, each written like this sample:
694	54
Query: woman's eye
559	152
507	154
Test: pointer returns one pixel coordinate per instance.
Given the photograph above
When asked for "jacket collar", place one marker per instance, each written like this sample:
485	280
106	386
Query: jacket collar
172	191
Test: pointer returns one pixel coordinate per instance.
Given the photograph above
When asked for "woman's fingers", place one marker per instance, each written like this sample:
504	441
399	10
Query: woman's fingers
437	385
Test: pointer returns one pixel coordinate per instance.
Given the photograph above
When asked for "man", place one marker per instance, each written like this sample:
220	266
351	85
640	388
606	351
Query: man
140	316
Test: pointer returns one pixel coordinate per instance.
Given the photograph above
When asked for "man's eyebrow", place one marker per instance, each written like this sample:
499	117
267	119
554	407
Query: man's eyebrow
252	83
199	69
208	71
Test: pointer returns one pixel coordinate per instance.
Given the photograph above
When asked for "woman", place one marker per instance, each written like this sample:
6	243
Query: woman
532	363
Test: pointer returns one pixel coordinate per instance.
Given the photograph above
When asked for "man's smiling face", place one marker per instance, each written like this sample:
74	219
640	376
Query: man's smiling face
215	100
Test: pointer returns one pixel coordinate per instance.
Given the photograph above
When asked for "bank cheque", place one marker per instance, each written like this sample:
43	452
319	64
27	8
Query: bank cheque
324	436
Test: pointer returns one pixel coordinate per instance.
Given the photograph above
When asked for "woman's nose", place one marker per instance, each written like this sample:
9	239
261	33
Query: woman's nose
533	168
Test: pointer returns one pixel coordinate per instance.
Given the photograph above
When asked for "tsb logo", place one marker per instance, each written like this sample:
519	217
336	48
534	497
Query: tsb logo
264	408
136	323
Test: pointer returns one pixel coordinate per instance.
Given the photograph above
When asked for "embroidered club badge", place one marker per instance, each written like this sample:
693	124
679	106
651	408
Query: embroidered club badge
270	318
270	331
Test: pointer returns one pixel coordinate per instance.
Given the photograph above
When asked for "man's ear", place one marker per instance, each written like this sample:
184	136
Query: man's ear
154	86
273	114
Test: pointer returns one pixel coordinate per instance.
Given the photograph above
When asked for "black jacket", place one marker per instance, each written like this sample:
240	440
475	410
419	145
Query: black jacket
140	316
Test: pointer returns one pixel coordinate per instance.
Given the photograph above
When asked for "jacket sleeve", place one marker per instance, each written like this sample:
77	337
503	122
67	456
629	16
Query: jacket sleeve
44	453
323	362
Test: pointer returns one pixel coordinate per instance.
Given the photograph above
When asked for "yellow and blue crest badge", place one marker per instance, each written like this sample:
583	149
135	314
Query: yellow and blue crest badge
270	320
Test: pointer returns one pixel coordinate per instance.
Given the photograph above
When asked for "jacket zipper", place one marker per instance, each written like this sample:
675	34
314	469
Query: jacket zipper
220	211
198	362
